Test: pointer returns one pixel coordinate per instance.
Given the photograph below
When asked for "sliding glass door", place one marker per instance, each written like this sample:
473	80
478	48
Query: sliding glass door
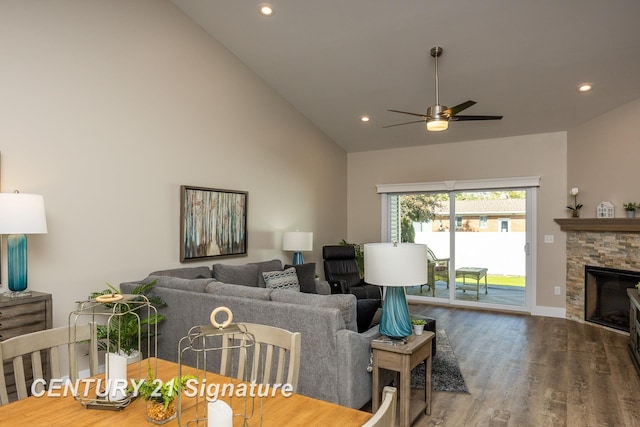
477	240
490	241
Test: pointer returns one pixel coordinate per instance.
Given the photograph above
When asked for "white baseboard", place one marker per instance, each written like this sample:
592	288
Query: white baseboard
541	310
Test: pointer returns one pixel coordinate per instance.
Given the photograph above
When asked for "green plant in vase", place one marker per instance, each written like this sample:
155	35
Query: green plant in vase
630	208
418	325
160	396
122	331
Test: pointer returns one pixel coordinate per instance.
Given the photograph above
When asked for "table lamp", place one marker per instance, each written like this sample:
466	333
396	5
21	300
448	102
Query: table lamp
297	241
20	214
395	265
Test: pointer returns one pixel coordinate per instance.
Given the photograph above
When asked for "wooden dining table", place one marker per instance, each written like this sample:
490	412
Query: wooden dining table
277	410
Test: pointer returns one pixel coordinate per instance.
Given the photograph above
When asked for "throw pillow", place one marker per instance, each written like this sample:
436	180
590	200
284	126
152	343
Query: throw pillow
366	310
246	274
306	276
283	280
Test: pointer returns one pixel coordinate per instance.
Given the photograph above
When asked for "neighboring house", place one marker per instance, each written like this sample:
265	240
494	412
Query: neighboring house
504	215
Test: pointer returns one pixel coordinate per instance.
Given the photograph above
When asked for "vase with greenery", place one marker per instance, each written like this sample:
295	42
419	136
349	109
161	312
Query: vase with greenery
630	209
575	208
418	325
122	330
161	396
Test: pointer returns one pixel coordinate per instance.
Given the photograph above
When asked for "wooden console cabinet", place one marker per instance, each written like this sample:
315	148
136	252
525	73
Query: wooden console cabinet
20	316
634	326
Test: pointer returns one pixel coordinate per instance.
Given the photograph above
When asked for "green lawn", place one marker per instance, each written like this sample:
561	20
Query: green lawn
506	280
496	280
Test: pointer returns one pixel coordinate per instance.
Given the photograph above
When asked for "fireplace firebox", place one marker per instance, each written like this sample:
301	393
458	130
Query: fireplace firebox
606	300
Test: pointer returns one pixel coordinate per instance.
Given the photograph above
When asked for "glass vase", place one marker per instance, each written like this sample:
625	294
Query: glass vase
157	414
575	214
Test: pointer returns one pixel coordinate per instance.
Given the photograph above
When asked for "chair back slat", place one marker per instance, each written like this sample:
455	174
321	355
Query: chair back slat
18	373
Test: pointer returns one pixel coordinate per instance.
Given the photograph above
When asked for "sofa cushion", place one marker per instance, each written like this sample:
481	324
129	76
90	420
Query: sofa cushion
264	266
346	303
246	274
283	280
185	272
231	290
194	285
306	276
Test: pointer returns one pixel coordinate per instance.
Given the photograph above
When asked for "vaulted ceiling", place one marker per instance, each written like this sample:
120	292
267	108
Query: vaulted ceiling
337	60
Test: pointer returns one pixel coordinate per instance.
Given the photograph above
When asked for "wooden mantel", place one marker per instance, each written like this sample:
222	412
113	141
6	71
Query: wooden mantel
630	225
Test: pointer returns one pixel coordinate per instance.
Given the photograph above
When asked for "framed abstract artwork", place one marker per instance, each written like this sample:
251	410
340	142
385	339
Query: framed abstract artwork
213	223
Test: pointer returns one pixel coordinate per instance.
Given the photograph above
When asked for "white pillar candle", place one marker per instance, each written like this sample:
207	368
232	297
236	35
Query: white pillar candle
219	414
116	374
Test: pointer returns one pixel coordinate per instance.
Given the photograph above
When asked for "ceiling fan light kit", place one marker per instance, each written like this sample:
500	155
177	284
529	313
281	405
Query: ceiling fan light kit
438	116
437	125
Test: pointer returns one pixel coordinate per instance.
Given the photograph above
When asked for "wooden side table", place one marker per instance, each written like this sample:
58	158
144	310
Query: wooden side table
402	359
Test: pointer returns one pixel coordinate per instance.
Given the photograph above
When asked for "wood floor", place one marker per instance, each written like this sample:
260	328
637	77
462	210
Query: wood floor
534	371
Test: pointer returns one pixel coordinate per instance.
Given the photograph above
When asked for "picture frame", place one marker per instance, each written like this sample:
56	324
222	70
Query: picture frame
213	223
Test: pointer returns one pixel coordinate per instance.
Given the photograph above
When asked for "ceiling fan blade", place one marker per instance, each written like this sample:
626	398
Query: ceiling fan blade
458	108
400	124
469	118
405	112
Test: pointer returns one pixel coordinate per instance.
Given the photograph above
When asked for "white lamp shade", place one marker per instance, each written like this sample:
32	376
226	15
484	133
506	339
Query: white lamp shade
297	241
388	264
22	214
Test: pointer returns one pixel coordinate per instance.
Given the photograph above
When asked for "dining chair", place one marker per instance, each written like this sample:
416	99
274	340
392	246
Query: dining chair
385	416
48	341
274	349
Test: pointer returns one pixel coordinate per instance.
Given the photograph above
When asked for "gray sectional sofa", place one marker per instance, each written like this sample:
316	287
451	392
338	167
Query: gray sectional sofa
334	355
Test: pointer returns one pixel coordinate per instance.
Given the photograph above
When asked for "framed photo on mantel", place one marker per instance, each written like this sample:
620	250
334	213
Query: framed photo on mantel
213	223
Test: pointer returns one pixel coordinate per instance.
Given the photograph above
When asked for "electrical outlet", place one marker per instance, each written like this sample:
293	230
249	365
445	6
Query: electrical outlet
556	290
548	238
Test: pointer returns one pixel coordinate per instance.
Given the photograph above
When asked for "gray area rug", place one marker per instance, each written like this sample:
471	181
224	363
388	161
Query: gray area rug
445	373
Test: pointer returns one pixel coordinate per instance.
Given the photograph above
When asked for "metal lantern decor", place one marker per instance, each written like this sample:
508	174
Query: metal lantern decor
225	348
123	337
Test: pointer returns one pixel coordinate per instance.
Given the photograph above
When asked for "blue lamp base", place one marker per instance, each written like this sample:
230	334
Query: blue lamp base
395	322
17	264
298	258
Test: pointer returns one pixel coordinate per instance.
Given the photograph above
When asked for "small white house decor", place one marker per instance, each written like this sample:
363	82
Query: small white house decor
605	210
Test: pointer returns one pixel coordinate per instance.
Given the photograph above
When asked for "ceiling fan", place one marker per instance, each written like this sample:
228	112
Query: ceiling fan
439	116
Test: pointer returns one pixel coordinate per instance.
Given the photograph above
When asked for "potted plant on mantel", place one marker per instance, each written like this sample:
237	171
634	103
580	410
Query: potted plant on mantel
630	209
575	208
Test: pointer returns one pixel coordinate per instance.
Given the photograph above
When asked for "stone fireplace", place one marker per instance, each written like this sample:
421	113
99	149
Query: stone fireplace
606	243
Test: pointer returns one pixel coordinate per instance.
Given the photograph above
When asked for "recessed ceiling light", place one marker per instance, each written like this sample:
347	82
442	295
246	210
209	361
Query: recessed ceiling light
365	118
585	87
266	9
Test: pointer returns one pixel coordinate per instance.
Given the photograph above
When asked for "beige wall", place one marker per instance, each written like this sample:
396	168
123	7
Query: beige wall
604	160
107	107
542	155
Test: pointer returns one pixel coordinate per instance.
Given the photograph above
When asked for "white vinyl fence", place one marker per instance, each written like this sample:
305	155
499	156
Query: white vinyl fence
500	253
